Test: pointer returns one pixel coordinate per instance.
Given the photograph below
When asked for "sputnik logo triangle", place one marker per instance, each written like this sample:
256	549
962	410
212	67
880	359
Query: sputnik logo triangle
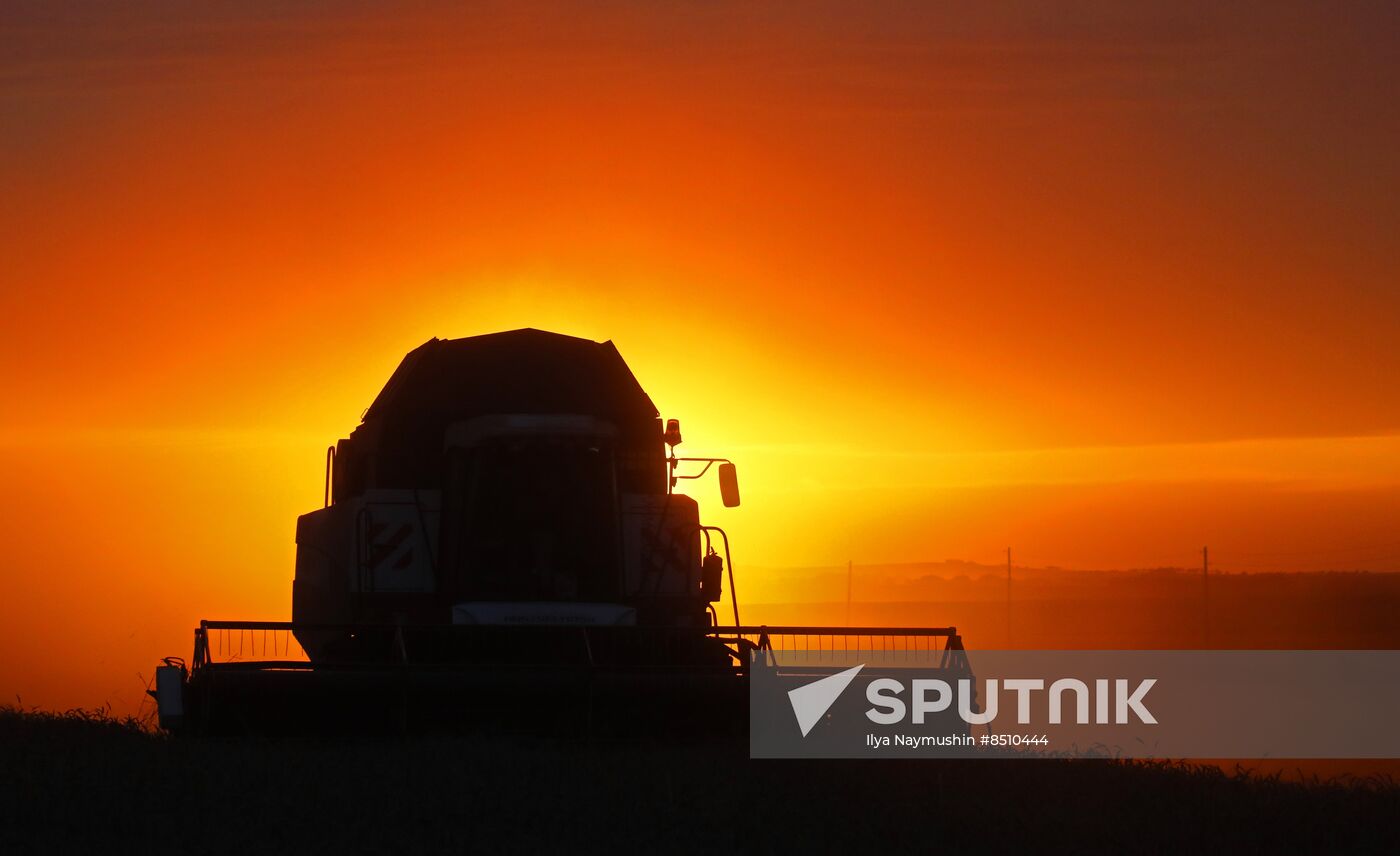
811	702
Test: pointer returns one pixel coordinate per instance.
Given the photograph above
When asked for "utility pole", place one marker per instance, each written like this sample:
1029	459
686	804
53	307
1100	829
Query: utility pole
1205	594
848	592
1008	598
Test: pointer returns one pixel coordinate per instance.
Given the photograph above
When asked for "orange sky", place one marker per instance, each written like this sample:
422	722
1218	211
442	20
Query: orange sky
1104	284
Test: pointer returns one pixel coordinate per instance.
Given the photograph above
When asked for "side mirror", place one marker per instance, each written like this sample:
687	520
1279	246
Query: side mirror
729	485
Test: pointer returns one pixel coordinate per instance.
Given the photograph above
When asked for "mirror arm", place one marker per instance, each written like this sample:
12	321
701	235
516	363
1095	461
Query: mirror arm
709	462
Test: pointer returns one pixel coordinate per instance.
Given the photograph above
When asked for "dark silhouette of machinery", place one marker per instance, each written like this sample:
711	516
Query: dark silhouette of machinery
501	544
515	479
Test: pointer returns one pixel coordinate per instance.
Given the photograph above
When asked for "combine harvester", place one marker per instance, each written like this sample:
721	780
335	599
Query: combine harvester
501	547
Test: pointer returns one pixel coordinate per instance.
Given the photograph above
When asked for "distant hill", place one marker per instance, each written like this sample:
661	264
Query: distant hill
1062	608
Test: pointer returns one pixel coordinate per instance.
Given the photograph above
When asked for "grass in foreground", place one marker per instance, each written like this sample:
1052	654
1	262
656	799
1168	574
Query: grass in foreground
85	780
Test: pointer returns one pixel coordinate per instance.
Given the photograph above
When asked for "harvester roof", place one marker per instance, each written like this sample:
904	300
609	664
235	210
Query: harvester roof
519	371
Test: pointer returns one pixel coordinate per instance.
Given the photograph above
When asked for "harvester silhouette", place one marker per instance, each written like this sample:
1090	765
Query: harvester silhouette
501	547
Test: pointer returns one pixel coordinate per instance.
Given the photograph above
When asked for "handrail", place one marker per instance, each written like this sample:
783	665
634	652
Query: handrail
740	639
729	564
330	470
732	630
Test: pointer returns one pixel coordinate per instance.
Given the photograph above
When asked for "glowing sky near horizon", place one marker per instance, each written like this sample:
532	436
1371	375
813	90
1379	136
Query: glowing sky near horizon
1103	282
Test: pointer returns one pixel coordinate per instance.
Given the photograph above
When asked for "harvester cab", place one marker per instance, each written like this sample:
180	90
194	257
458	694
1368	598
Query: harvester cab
503	523
514	479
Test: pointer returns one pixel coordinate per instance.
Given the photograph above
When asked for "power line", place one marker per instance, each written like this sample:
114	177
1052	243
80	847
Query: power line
849	565
1008	598
1205	595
